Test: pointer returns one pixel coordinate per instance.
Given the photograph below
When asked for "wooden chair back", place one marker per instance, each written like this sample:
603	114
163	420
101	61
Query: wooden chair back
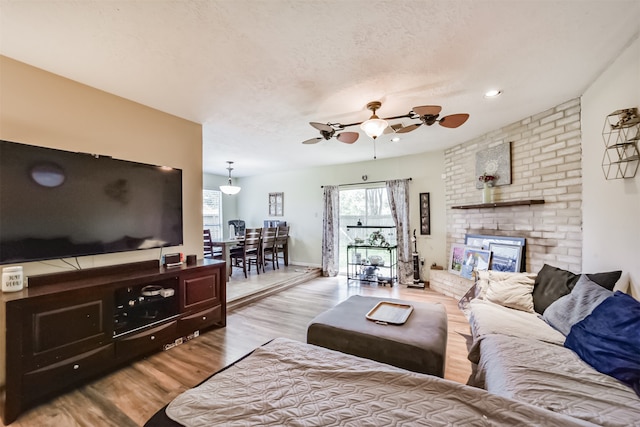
281	245
208	245
268	246
252	239
282	236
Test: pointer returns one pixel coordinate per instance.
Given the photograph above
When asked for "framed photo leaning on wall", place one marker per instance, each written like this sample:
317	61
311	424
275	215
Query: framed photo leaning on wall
505	257
456	257
474	259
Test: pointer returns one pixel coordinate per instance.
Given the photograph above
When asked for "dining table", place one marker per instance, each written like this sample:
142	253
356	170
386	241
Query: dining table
226	244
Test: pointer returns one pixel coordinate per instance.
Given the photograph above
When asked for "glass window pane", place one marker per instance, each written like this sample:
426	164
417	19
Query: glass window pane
370	206
212	212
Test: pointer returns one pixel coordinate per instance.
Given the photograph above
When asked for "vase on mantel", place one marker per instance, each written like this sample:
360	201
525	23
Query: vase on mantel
487	193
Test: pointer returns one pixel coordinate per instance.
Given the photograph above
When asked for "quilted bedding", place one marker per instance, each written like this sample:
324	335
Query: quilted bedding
555	378
521	357
294	384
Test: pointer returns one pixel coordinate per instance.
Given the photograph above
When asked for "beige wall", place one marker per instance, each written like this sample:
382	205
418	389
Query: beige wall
611	207
40	108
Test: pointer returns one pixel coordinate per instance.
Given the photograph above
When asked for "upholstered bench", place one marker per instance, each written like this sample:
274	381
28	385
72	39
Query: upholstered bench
418	345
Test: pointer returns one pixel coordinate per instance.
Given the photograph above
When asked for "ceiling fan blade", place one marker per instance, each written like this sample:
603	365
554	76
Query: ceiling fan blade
321	126
348	137
312	140
409	128
454	120
392	128
427	110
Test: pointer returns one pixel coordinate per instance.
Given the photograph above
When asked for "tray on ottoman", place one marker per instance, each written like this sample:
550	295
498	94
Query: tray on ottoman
418	345
390	312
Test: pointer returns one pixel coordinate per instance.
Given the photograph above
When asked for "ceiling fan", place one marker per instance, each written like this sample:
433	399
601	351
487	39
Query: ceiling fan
427	114
329	130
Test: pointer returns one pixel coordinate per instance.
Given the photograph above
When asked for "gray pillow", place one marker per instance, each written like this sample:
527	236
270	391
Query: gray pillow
570	309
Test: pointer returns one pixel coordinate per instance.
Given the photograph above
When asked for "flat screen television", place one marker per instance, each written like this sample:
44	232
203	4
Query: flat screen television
60	204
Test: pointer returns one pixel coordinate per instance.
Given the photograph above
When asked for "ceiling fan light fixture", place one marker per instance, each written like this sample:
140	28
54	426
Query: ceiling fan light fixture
230	188
375	126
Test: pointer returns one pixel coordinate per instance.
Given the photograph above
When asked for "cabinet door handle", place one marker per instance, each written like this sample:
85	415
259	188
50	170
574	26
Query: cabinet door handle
204	317
76	367
153	337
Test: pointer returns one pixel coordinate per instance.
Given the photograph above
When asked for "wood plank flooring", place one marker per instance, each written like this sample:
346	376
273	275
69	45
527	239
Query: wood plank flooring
131	395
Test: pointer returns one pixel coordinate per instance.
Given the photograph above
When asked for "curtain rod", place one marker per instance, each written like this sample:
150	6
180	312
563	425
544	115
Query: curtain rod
363	183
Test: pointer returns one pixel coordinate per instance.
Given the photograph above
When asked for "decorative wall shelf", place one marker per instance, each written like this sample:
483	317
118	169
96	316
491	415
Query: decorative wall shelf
501	204
621	133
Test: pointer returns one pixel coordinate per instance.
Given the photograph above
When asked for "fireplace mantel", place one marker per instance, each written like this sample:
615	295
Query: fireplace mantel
500	204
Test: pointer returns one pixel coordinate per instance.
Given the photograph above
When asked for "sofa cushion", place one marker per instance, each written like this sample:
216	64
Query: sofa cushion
512	290
552	283
570	309
608	339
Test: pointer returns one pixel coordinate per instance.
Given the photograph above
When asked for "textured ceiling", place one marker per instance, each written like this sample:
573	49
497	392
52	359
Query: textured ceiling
256	72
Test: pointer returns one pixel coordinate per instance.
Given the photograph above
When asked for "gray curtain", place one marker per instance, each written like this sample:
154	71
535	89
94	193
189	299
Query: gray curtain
330	231
398	192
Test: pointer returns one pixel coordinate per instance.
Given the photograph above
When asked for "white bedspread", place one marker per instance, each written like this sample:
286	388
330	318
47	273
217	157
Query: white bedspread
287	383
487	318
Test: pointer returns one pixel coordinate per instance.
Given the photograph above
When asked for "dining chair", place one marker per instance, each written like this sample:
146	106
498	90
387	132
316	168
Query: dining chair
268	247
238	226
249	253
281	245
209	250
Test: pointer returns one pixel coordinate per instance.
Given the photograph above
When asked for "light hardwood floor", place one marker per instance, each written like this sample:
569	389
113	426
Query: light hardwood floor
131	395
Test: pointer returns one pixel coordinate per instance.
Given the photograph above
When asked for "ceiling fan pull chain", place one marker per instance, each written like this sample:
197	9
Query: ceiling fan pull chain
374	149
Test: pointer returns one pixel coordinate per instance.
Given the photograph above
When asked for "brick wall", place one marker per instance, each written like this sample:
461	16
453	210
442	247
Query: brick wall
545	164
449	284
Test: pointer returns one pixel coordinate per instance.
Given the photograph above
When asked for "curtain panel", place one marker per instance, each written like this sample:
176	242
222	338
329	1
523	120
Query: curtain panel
330	231
398	193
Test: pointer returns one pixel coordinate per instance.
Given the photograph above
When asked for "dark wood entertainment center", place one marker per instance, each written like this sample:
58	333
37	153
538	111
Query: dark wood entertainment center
67	328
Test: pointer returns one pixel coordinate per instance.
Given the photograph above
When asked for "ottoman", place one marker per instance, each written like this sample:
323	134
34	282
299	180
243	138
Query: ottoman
418	345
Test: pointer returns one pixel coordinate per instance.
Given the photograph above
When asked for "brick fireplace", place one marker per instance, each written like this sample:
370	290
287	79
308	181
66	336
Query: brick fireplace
546	163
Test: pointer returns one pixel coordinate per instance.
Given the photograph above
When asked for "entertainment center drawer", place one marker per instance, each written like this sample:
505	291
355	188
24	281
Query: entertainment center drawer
147	341
43	381
200	320
201	291
62	326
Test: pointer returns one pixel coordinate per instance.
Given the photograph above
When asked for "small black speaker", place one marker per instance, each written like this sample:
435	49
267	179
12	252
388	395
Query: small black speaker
192	259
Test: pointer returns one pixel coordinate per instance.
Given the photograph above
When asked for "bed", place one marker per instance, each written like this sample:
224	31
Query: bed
290	383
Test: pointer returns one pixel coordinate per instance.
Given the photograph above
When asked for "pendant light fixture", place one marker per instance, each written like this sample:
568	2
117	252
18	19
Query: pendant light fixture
230	188
375	125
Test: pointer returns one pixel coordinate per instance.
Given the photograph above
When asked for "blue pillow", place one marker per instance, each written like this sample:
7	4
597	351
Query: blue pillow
609	339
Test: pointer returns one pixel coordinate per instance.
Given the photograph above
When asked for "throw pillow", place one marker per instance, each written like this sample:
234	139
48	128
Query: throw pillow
553	283
607	280
608	339
511	290
570	309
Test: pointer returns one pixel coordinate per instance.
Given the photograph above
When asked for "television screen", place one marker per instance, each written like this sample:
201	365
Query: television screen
59	204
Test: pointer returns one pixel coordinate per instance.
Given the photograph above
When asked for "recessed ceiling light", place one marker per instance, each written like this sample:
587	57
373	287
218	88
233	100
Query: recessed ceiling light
493	93
395	139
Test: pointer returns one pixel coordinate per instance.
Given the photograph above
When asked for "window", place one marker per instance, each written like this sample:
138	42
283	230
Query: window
370	206
212	212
